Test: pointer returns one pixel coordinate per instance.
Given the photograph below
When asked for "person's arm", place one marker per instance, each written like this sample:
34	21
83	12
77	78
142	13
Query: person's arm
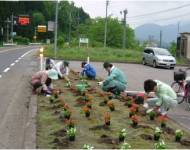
109	78
43	81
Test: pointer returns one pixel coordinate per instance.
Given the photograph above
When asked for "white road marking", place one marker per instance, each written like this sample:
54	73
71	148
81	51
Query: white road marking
16	61
12	64
19	58
0	76
7	69
12	49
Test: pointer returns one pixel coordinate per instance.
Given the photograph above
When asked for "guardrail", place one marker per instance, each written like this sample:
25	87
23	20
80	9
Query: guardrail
9	44
35	43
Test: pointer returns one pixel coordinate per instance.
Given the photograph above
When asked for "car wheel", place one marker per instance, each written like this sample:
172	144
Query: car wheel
143	61
154	64
171	68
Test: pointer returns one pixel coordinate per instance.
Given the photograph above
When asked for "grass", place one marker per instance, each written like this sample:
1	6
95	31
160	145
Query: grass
96	54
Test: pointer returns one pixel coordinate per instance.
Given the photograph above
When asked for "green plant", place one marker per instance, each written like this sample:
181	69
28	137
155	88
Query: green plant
157	133
65	114
125	146
122	135
88	147
129	103
71	132
178	135
160	145
152	115
52	99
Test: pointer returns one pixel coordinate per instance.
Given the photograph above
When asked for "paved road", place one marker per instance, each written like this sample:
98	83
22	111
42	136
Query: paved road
16	67
136	75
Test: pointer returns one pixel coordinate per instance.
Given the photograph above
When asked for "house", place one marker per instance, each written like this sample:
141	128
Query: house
183	45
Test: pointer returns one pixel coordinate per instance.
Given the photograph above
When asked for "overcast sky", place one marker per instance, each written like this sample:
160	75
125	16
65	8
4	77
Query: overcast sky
96	8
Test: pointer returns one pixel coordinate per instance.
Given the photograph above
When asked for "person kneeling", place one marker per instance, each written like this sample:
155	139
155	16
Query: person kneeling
163	96
115	81
88	71
43	79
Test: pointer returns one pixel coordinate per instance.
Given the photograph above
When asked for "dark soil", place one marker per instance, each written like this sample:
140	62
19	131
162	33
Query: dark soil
146	137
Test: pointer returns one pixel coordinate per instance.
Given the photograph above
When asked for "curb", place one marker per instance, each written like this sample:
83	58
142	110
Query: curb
30	130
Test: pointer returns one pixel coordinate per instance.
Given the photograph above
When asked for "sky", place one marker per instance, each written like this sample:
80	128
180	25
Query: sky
177	11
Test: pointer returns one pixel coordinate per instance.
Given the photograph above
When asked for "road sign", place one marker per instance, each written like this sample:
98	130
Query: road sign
41	28
23	20
83	40
51	25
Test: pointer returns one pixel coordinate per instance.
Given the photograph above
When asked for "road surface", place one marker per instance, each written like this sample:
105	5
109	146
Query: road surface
16	67
136	75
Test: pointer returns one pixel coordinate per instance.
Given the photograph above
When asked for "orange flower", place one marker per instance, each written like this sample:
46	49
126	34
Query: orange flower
86	109
70	122
110	104
133	109
89	97
135	118
162	118
66	106
135	106
107	117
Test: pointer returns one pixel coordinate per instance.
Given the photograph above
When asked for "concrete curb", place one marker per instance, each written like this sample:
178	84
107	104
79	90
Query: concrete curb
30	130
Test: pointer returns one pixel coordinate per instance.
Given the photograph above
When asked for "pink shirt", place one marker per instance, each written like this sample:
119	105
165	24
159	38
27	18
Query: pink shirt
40	76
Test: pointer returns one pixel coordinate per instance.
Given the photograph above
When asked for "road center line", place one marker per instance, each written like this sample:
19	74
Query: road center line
0	76
12	64
7	69
16	61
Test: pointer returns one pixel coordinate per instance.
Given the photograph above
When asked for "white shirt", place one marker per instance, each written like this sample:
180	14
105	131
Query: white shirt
59	67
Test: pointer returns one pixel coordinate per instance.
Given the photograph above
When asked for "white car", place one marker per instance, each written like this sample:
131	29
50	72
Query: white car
158	57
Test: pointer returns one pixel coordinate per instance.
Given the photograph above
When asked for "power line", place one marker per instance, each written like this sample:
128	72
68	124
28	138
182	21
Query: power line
162	11
171	18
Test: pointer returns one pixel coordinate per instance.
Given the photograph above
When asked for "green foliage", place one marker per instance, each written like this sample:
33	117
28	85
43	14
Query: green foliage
173	48
160	145
71	131
21	40
88	147
125	146
60	41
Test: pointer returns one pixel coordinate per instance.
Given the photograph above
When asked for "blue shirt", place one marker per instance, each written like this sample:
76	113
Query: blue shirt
89	71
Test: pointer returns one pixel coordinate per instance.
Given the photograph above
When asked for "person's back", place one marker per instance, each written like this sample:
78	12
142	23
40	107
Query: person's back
165	89
120	76
88	70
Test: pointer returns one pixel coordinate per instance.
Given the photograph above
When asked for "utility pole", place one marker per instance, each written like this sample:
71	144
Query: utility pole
178	26
160	38
106	22
7	29
78	25
124	28
12	23
55	30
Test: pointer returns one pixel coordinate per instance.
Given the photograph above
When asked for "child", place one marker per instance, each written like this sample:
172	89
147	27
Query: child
163	96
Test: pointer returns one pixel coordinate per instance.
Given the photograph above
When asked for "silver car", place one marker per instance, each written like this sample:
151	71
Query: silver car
158	57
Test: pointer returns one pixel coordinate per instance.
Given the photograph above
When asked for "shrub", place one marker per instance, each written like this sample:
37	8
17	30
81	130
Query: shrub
21	40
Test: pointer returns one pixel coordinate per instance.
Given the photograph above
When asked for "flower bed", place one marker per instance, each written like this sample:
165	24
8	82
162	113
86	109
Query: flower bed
100	129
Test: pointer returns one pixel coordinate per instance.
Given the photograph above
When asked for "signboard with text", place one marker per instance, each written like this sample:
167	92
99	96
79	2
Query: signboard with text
23	20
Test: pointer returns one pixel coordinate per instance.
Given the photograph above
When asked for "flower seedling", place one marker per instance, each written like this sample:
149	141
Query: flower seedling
132	112
162	120
122	135
107	118
111	105
66	107
62	101
71	132
52	99
157	133
135	106
86	110
88	147
125	145
70	123
89	104
152	115
135	120
65	114
129	103
160	145
178	135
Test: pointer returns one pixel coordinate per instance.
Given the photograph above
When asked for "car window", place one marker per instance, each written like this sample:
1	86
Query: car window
162	52
151	51
146	51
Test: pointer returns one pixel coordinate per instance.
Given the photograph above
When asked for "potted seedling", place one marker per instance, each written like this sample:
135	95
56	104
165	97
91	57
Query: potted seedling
65	114
107	118
71	132
152	115
61	99
111	105
86	110
66	107
70	123
178	135
160	145
122	135
125	145
52	99
135	120
88	147
157	133
162	120
132	112
135	106
129	103
89	104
